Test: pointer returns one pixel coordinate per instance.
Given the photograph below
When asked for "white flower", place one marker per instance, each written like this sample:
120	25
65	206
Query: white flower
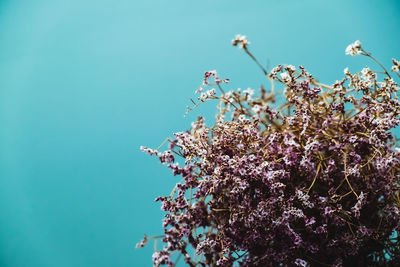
206	95
225	157
264	164
354	49
242	118
368	76
232	162
211	92
249	91
199	90
240	40
338	86
251	157
275	70
290	68
396	65
365	71
346	71
286	77
256	108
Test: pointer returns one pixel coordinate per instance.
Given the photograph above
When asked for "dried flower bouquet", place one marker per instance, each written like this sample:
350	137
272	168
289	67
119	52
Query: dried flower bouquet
312	182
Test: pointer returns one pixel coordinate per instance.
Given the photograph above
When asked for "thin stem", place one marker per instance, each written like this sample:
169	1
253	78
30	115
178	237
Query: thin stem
220	88
315	178
256	61
168	139
321	84
374	59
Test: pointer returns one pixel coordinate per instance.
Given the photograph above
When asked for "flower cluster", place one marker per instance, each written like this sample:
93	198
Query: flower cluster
354	49
396	65
312	182
241	41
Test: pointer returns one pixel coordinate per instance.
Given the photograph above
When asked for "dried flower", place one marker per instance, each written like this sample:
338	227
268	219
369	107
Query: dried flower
241	41
312	182
396	65
286	78
354	49
143	242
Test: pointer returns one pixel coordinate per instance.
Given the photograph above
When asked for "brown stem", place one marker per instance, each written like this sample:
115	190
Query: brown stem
256	61
374	59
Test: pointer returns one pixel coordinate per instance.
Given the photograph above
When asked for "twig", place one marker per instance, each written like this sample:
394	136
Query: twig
315	178
345	175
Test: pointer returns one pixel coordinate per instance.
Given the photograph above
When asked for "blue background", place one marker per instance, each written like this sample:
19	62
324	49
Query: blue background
84	83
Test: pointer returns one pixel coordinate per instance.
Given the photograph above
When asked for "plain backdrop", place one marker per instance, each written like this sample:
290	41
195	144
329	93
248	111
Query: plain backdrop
84	83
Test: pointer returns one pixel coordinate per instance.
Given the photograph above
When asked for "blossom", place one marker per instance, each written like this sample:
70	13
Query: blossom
207	95
256	108
396	65
300	262
290	68
166	156
275	70
161	258
143	242
368	76
286	78
249	93
354	49
356	208
208	75
241	41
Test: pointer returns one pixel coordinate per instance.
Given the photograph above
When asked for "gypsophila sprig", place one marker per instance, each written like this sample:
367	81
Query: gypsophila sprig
312	182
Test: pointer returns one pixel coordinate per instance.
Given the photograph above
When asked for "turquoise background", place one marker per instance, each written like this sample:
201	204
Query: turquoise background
84	83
